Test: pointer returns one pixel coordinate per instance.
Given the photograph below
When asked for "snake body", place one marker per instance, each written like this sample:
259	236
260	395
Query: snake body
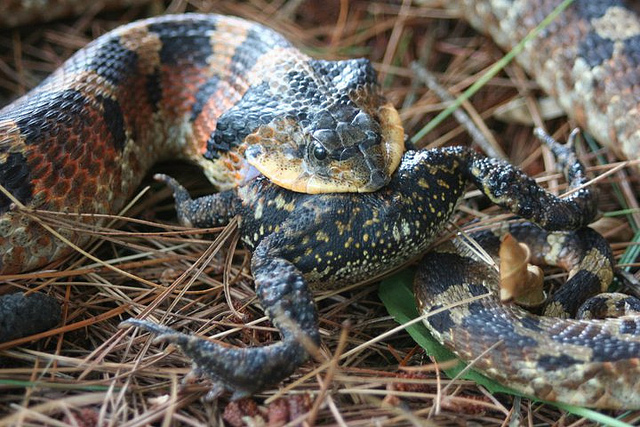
586	362
186	86
587	58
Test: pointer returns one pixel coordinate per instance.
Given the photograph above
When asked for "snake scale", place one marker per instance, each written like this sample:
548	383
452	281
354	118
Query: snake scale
135	116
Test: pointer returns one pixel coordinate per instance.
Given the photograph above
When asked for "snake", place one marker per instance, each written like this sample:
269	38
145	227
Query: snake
248	104
119	94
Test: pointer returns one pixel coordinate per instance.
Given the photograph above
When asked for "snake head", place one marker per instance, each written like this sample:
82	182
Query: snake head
327	129
327	156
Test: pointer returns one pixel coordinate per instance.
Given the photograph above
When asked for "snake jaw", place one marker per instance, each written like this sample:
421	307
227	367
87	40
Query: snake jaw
329	156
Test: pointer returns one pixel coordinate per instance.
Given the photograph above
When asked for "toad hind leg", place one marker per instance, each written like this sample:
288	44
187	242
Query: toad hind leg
289	304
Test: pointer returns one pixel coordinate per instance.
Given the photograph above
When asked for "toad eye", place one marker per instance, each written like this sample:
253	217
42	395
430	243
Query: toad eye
319	152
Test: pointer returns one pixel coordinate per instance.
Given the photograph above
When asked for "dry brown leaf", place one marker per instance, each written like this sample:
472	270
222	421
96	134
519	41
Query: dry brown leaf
519	281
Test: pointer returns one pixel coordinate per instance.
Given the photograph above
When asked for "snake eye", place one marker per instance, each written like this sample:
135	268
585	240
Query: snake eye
319	152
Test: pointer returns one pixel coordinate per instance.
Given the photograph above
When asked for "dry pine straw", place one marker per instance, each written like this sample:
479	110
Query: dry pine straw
90	373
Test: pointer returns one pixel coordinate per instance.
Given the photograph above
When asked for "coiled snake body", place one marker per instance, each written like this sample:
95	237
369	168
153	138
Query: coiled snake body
588	58
80	141
592	362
